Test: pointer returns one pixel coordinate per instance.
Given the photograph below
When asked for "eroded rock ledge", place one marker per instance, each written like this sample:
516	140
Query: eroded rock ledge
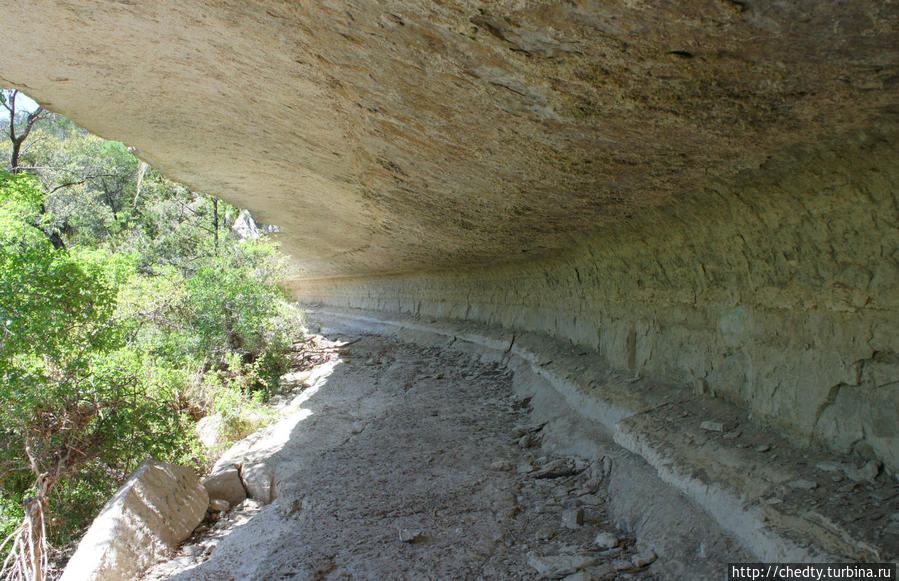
780	502
778	293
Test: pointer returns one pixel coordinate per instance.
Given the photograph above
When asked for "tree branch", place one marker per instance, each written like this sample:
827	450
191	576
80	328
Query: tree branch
81	181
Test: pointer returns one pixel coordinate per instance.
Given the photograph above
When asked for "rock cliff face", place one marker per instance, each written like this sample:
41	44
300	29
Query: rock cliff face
704	192
778	291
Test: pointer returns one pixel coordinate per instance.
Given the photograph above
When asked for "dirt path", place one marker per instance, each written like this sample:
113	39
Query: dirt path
416	463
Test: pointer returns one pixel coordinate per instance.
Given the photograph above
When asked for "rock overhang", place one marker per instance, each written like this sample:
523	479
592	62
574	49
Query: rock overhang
411	136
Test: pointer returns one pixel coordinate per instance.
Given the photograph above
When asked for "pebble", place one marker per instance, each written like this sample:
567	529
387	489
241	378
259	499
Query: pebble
716	426
410	535
867	472
573	519
219	505
645	558
501	465
558	566
762	448
605	541
622	565
802	484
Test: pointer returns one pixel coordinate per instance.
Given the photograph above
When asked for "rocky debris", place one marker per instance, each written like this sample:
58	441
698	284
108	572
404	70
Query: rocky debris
559	566
411	535
560	468
606	541
867	472
529	440
502	465
369	495
622	565
219	505
158	507
204	540
225	483
645	558
294	379
802	484
716	426
573	519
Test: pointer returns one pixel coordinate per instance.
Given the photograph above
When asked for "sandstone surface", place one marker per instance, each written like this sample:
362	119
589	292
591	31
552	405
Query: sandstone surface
157	508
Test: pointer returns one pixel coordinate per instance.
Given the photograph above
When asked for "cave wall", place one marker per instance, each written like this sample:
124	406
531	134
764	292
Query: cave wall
777	291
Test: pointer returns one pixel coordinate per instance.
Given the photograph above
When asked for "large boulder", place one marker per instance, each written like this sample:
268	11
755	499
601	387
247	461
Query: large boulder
157	508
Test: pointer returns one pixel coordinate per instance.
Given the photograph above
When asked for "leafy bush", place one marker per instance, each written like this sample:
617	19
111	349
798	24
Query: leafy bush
126	314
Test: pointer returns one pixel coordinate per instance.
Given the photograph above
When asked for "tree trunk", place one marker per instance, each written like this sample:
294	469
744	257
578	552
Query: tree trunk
36	544
215	222
14	156
140	181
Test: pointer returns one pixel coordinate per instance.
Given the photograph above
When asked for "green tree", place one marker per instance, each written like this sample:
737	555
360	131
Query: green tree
125	315
20	124
73	388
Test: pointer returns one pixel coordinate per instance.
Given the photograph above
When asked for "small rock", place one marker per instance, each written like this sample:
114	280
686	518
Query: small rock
527	441
547	508
225	483
525	467
867	472
219	505
829	466
716	426
774	500
501	465
622	565
606	541
546	534
802	484
645	558
733	435
573	519
410	535
762	448
559	468
558	566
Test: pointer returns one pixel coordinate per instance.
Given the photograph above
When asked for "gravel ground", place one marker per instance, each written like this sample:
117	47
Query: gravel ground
417	463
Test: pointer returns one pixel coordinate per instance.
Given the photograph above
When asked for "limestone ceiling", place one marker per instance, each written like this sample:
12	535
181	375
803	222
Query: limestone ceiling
407	135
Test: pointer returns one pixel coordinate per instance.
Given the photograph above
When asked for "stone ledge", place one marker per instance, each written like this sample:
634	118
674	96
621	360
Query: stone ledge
783	503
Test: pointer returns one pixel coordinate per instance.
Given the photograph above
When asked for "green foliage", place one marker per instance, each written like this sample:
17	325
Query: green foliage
111	348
